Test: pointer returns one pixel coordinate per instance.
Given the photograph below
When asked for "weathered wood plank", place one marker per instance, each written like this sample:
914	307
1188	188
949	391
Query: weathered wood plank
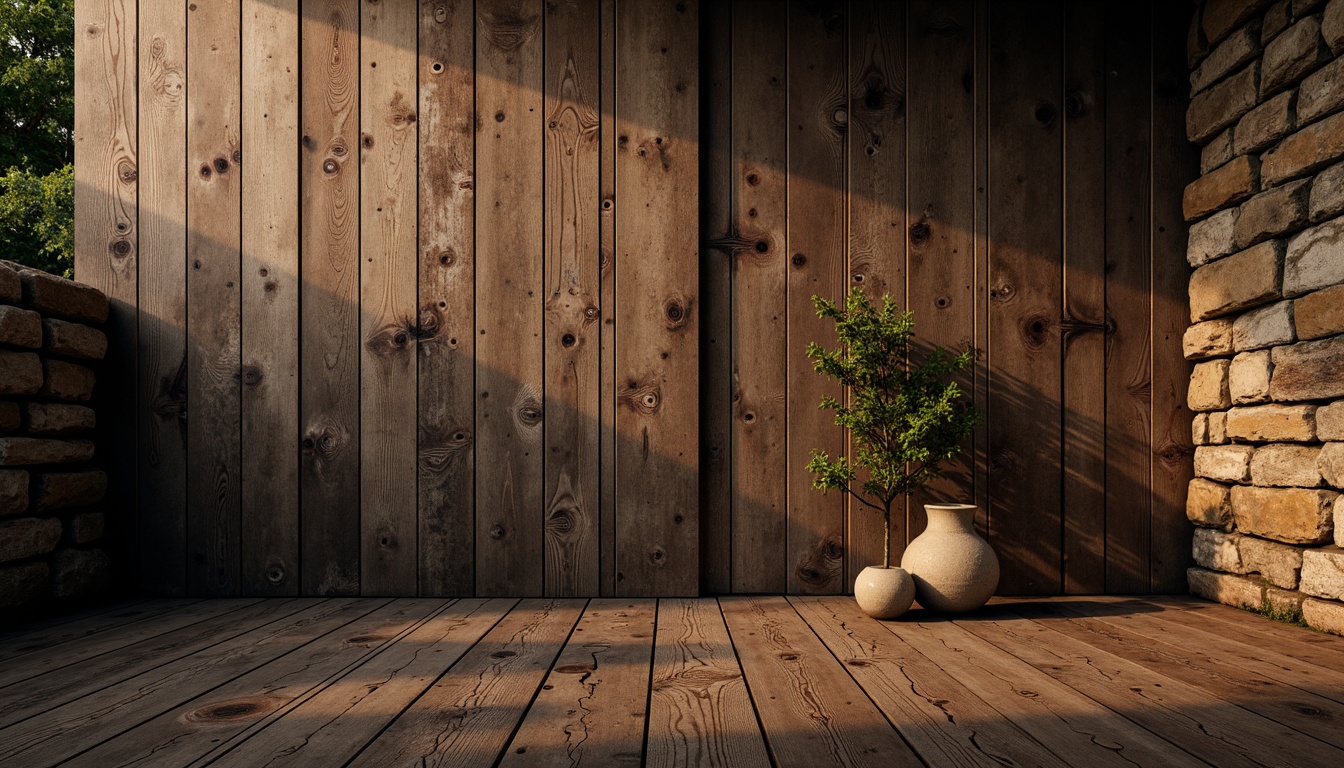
1084	333
467	717
329	300
28	637
214	389
607	304
592	707
945	722
1129	382
572	295
270	298
699	708
657	334
757	250
389	325
1026	203
812	712
447	329
160	546
1314	647
817	119
509	317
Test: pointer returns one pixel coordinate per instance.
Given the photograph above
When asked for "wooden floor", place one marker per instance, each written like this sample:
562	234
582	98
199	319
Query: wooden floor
743	681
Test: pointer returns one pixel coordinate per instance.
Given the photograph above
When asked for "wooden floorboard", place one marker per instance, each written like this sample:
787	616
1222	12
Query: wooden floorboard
738	681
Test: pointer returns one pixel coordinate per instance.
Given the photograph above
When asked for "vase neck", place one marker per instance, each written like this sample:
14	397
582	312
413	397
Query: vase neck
950	517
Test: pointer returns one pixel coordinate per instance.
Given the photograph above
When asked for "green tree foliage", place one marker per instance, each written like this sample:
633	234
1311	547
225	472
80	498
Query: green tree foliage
37	113
905	418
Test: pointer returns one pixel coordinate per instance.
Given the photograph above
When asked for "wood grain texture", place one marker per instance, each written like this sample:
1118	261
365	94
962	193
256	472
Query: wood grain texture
161	434
29	636
757	249
388	300
607	357
214	365
329	301
509	304
657	336
447	323
270	298
592	708
818	118
699	708
572	296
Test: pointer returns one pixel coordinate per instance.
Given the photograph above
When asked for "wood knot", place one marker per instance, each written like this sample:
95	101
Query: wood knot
1035	331
431	322
251	375
120	248
640	397
608	203
677	313
574	669
591	312
366	141
324	442
232	711
308	143
1003	292
1075	103
436	67
560	521
391	338
275	574
567	340
331	167
942	302
920	232
221	165
126	171
509	30
857	662
503	654
440	11
237	157
786	656
753	179
799	260
1045	114
762	246
364	639
658	556
497	532
205	171
528	412
499	117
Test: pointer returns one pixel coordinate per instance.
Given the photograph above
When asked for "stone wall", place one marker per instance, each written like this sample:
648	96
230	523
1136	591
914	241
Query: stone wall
1267	306
50	489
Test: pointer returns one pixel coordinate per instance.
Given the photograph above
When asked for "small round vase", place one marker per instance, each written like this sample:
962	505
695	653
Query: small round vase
954	570
884	593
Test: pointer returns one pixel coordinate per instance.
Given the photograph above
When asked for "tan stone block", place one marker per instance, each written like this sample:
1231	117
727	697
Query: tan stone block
1240	47
1324	616
20	373
1284	601
1225	588
27	451
1213	237
67	381
1208	339
20	327
1216	152
1323	573
1292	515
1229	463
1264	125
56	296
1240	281
1330	421
1264	327
1320	313
1235	181
1286	466
26	537
1330	464
1279	564
1292	55
1309	370
1208	386
1332	26
1322	93
1327	192
1314	258
1209	504
1274	212
1199	429
1270	423
23	585
1313	147
1248	377
13	491
1218	428
58	418
1219	106
74	339
1338	517
1217	551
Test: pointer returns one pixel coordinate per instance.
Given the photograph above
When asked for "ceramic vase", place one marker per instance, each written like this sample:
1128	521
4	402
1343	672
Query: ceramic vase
953	568
884	593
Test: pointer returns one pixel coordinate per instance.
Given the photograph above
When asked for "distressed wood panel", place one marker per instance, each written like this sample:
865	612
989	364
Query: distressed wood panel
607	308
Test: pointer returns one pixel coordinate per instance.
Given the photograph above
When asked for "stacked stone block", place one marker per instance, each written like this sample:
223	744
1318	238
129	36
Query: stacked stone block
1267	305
51	521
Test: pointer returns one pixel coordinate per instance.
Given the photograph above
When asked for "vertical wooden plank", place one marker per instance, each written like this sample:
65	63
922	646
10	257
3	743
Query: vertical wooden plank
1084	321
759	260
573	288
657	173
941	207
329	262
1128	308
980	367
1174	164
270	296
447	337
161	457
607	353
214	394
817	120
388	301
510	251
1026	186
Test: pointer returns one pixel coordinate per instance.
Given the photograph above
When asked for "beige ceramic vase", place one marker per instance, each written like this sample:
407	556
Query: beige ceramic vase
953	568
884	593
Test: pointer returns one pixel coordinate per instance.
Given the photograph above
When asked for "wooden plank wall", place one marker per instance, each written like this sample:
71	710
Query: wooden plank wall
510	297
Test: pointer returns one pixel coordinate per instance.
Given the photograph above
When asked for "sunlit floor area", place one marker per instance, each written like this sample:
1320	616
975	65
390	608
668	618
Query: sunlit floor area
742	681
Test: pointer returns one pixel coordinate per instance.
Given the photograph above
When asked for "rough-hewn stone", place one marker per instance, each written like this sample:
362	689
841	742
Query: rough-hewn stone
79	573
1327	192
1338	517
1218	428
1216	152
1220	17
1320	313
1208	386
1286	466
1274	422
1241	281
74	339
1240	47
1248	377
58	297
87	527
1199	429
20	327
1332	26
1314	258
1264	125
1263	327
1229	463
1208	339
1215	236
11	288
58	418
1225	588
1285	601
1235	181
1312	147
20	373
1209	504
1323	573
23	585
1276	19
1292	515
67	381
1303	7
25	537
1322	93
1309	370
1216	550
26	451
1222	104
1324	615
1330	420
10	417
1279	564
1293	54
1330	464
13	491
64	490
1273	212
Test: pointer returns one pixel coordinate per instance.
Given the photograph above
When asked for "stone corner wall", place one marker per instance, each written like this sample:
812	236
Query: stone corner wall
1267	305
51	523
